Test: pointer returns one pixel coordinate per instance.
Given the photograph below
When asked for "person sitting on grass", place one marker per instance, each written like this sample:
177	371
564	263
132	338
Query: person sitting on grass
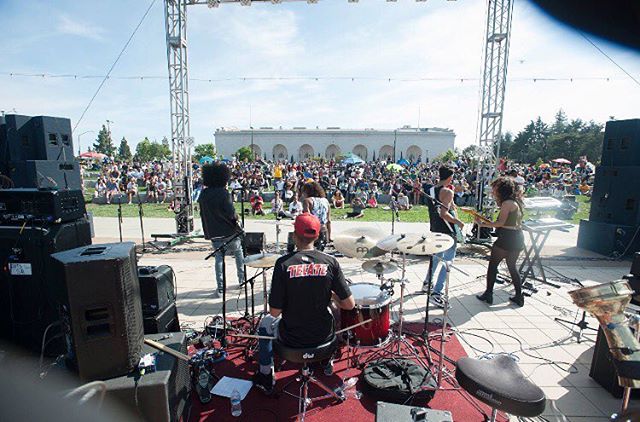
101	188
256	202
358	209
162	190
295	207
338	199
403	202
132	188
152	189
277	206
112	189
372	202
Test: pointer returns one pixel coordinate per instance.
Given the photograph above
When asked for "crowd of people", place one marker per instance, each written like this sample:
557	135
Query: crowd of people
354	186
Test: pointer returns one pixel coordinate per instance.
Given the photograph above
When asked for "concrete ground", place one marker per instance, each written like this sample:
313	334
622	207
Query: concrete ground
548	351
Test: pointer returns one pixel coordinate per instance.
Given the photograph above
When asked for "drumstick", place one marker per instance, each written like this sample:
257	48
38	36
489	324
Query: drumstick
354	326
166	349
252	336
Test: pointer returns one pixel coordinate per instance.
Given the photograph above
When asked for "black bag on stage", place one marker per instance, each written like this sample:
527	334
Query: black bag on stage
398	381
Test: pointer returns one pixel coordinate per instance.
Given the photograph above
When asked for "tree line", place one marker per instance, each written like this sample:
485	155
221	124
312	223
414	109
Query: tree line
146	150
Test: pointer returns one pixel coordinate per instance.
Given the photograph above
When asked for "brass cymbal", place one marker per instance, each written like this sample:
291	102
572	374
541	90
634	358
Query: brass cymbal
390	243
261	260
379	267
359	242
425	244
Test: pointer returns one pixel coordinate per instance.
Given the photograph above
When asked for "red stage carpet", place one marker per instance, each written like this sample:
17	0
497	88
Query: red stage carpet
284	408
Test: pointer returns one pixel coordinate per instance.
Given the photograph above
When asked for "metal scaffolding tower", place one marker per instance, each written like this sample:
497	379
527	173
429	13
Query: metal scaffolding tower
494	81
176	32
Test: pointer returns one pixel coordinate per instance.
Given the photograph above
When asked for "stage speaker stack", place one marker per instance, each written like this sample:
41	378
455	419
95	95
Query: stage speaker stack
101	309
614	218
37	152
158	294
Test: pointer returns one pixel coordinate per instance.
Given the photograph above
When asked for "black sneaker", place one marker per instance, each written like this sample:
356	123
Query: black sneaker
264	382
439	301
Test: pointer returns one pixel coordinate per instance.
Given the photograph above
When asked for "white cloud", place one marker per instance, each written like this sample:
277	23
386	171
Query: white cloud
70	26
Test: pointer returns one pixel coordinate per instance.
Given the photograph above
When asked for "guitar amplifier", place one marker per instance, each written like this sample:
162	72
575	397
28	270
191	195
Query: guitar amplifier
36	205
165	321
157	289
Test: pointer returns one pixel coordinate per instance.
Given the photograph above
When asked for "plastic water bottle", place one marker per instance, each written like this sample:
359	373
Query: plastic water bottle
236	403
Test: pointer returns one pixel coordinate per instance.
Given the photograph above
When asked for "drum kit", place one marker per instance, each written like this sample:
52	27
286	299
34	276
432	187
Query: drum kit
368	327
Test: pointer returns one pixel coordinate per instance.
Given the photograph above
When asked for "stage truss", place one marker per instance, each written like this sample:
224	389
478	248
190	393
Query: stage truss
494	81
496	55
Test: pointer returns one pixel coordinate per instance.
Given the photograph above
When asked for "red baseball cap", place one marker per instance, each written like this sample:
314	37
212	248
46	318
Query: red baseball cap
307	225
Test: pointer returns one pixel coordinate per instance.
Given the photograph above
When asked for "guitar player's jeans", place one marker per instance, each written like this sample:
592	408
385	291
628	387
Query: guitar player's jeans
440	269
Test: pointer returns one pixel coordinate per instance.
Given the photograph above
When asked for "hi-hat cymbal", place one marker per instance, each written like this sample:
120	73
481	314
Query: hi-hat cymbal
378	267
261	260
425	244
359	242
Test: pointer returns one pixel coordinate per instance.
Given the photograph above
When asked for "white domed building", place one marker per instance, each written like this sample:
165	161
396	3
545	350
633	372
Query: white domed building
303	143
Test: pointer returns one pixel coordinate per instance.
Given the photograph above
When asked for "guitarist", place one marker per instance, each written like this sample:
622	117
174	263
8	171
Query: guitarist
442	219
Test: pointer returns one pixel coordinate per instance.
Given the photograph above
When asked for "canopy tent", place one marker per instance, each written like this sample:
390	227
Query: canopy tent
351	158
403	162
93	155
206	160
394	167
561	161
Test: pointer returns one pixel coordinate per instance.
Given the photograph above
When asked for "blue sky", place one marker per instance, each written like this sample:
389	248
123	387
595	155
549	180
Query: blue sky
372	38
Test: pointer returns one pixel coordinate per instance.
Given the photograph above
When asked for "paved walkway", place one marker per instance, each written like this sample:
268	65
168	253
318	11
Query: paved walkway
549	353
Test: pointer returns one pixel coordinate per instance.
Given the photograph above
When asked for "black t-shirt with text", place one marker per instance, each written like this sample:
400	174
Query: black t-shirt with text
301	286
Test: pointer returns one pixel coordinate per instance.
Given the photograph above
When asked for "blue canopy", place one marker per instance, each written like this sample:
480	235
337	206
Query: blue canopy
206	159
351	158
404	162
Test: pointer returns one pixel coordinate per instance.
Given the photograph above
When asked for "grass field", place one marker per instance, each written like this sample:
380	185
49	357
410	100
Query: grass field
418	214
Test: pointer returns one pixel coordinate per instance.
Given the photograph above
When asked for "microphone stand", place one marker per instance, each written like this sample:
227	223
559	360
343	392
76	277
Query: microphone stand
120	218
140	215
244	250
223	249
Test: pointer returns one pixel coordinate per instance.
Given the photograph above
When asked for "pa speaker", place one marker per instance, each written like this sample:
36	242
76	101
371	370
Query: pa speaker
27	303
102	311
43	174
608	239
621	146
616	195
38	138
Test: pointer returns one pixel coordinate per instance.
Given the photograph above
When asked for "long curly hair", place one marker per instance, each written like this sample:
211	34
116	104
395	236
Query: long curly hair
313	190
506	189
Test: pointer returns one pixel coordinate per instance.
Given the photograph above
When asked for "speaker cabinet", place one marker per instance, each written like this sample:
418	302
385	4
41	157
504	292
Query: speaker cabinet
616	195
38	138
621	146
42	174
27	303
608	239
101	311
157	288
14	146
165	321
254	243
160	396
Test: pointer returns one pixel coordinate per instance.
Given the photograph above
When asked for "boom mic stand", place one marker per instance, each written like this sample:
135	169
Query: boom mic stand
223	249
244	250
120	218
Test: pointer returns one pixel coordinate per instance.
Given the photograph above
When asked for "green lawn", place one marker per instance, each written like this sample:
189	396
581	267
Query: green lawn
418	214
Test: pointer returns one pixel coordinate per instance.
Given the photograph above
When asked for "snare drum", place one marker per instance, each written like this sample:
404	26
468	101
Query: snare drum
371	303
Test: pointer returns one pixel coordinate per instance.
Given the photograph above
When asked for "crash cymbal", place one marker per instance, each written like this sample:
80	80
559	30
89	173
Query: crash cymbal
379	267
359	242
261	260
390	243
425	244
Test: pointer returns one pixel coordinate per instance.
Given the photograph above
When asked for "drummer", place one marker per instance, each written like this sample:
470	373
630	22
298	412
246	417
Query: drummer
303	285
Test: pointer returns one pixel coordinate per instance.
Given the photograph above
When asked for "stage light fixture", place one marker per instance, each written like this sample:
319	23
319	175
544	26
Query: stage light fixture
276	1
312	1
352	1
213	3
245	2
